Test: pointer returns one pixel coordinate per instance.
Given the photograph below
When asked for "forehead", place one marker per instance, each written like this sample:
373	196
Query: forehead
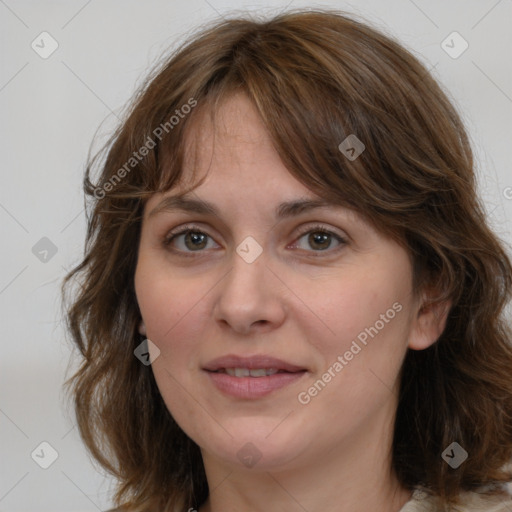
230	161
227	145
233	115
231	130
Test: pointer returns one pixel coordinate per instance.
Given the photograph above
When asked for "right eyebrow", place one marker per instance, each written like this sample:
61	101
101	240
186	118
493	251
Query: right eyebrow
173	203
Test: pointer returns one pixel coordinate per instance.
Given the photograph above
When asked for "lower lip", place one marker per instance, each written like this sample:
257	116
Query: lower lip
253	387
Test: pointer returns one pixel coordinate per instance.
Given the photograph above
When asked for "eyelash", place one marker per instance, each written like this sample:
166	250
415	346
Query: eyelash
169	238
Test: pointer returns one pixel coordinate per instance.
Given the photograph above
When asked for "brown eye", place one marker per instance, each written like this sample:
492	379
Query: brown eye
194	240
319	239
187	240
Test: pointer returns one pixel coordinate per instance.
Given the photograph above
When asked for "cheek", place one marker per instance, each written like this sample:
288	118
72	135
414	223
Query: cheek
361	349
162	298
173	309
361	305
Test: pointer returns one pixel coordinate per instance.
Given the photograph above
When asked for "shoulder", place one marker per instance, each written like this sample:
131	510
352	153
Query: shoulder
422	501
476	502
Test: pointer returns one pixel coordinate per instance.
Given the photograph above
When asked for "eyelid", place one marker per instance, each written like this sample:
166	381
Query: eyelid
182	230
303	230
319	228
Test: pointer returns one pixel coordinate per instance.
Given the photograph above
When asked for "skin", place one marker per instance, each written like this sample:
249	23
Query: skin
294	302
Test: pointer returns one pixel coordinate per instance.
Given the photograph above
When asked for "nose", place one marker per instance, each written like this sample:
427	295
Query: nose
250	298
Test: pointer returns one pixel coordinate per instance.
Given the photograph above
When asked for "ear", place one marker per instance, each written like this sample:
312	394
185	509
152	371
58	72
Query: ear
429	323
142	328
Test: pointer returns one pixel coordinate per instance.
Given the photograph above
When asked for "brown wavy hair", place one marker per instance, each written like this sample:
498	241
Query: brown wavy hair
315	77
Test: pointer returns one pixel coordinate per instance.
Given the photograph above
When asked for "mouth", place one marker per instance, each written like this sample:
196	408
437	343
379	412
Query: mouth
251	372
253	366
252	377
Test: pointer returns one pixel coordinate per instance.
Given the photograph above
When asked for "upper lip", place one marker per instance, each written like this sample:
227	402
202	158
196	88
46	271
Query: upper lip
252	363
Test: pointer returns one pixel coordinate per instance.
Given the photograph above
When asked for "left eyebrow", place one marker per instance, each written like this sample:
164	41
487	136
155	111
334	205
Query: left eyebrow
200	206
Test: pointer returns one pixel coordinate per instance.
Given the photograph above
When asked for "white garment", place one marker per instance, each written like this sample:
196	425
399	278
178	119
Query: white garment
421	501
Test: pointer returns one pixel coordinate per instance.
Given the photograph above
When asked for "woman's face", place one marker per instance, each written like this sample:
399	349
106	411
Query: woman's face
316	288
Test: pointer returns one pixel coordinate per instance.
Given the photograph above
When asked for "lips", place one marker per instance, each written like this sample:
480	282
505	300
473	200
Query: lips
251	378
257	362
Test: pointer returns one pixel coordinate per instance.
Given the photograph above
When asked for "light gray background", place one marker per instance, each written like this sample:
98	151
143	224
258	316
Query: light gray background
50	109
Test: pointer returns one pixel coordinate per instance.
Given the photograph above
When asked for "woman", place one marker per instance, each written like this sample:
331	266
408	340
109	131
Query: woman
290	298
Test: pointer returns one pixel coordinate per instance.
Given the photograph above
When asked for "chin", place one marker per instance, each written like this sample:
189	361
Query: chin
263	447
